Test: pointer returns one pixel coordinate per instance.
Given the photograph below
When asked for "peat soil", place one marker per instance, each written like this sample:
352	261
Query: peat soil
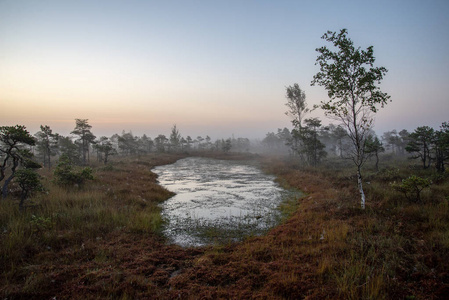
301	258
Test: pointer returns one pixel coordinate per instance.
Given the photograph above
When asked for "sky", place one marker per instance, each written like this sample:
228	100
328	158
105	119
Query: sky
217	68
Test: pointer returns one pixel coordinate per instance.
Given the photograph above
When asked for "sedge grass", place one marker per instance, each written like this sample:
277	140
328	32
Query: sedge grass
326	248
70	216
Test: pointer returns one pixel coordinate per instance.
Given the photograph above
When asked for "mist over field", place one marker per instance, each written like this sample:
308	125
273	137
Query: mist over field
224	149
217	69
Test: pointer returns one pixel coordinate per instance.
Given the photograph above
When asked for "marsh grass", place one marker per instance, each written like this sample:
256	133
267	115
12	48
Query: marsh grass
370	254
101	241
199	231
195	231
388	240
121	198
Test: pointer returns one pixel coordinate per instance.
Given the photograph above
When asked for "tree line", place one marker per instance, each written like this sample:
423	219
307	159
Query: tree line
346	72
22	153
351	80
428	145
82	144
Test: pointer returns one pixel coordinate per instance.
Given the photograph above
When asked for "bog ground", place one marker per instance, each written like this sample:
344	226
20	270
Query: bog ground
103	240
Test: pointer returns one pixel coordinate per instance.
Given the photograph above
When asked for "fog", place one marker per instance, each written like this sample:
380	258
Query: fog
219	70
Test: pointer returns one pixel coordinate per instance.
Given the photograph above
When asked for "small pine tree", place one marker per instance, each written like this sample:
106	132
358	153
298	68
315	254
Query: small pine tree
65	175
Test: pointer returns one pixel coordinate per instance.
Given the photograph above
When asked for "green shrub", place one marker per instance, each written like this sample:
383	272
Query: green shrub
39	224
29	181
412	187
65	174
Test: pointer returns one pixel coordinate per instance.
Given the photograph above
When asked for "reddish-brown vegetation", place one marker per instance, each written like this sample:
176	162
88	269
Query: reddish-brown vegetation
327	248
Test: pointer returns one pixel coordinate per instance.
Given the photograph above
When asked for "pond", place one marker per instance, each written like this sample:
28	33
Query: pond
217	201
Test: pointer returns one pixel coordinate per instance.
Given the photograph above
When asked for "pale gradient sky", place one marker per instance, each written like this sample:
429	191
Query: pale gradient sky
212	67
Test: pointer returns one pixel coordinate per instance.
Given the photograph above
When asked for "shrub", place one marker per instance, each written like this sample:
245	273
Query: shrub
39	224
65	175
29	181
412	187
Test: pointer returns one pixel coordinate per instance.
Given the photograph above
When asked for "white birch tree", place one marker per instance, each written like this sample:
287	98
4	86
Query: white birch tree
349	76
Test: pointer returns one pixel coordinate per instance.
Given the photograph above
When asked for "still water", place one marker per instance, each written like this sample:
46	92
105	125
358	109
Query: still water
217	201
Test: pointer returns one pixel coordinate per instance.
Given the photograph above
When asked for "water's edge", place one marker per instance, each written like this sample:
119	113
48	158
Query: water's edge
218	201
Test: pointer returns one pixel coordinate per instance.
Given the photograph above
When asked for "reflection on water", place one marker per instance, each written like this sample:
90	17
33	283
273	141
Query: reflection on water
217	200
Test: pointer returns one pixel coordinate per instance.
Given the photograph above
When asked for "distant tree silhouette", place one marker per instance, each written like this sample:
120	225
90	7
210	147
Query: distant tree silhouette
67	147
199	142
272	141
340	134
161	142
85	137
373	146
420	144
127	143
297	108
47	144
226	145
175	139
145	144
442	147
105	149
312	147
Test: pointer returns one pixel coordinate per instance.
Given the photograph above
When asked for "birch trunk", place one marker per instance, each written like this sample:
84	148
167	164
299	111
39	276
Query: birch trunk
362	194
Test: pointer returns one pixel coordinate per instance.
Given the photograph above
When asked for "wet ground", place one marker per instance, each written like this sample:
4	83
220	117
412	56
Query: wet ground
217	201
